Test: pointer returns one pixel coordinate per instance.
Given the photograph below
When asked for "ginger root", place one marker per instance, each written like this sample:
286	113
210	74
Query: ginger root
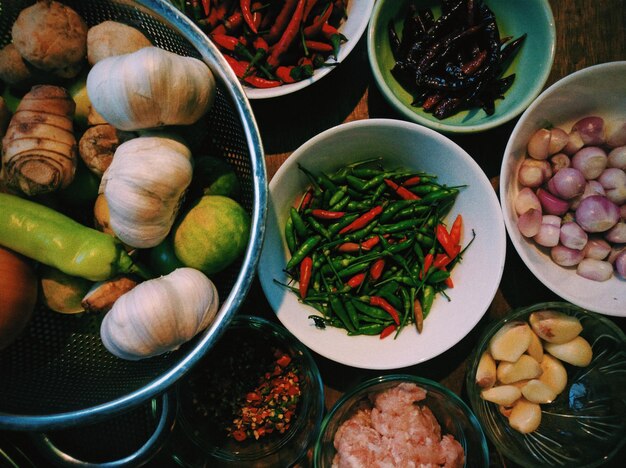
98	144
39	148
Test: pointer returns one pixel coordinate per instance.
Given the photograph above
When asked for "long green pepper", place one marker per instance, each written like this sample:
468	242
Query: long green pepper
56	240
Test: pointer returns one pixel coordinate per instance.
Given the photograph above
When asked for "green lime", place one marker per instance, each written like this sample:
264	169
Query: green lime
163	260
83	189
78	91
214	176
212	234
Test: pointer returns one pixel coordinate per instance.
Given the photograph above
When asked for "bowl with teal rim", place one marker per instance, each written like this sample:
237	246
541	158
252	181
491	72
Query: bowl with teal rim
531	64
585	425
454	417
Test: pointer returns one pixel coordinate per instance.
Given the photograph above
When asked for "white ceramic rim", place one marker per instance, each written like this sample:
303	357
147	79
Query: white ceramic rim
521	244
384	358
362	9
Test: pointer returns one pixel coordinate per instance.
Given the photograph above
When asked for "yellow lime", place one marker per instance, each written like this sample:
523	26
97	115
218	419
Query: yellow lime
212	234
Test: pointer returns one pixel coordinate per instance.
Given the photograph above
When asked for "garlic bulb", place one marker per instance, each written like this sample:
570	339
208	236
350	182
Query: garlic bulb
160	314
143	188
150	88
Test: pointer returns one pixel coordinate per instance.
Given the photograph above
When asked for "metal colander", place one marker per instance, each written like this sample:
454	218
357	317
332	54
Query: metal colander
58	373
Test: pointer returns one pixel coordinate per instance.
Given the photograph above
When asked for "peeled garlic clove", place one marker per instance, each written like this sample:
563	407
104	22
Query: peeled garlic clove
486	371
502	394
510	342
555	327
524	368
535	348
554	374
576	352
525	416
538	392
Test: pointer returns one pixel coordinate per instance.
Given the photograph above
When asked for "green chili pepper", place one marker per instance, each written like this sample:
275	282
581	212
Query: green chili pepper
290	236
340	311
370	311
370	329
338	195
437	276
303	251
352	313
359	205
298	223
341	204
318	227
49	237
356	183
428	296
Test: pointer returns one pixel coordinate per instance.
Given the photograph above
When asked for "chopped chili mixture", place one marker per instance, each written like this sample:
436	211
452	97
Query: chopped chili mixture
251	389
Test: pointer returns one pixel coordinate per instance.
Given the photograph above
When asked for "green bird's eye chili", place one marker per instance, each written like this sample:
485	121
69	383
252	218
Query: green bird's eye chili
379	246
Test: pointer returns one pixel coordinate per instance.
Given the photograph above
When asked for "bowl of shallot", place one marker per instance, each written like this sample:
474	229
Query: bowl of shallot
563	188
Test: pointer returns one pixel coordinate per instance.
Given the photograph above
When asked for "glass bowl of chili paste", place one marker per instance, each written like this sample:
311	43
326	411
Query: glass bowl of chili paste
256	398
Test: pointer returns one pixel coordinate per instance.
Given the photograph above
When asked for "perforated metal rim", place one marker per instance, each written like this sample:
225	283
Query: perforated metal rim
211	56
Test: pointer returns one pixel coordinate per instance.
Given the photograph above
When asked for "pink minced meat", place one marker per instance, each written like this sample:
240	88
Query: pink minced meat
395	432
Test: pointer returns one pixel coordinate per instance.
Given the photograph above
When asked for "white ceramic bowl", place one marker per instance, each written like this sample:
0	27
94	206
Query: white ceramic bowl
597	90
359	12
476	277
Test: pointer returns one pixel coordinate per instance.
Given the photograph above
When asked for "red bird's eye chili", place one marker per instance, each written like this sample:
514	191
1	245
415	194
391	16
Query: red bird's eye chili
376	270
443	237
362	220
306	269
378	301
402	192
456	229
290	33
248	17
356	280
325	214
387	331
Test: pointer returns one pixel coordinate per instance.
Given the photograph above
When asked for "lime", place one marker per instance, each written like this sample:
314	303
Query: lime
212	234
163	260
78	91
214	176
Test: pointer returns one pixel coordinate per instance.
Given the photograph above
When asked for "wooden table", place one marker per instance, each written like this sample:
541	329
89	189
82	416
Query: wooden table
589	32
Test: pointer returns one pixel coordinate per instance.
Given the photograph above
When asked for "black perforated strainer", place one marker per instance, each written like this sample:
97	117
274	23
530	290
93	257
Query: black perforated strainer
58	374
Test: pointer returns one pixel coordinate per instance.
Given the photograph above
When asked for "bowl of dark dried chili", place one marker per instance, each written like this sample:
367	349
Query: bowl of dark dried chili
257	398
461	66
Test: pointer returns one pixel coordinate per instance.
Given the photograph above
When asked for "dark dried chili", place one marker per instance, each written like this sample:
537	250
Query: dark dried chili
455	62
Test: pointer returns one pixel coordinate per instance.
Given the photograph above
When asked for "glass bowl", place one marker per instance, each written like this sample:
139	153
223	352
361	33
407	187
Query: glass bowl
586	424
248	346
452	414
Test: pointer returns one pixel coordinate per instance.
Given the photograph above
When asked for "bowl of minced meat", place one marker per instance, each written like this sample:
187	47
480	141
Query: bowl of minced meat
400	420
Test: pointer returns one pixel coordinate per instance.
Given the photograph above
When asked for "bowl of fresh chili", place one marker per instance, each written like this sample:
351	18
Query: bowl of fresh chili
257	397
279	47
464	66
385	244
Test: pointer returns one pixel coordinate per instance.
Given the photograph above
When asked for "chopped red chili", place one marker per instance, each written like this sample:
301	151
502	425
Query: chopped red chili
247	389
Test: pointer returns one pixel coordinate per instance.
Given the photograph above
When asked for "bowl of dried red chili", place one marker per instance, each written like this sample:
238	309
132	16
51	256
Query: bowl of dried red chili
464	66
256	397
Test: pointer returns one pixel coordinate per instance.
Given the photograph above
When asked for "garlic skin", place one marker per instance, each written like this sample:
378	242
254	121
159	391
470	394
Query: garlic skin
160	314
150	88
143	188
